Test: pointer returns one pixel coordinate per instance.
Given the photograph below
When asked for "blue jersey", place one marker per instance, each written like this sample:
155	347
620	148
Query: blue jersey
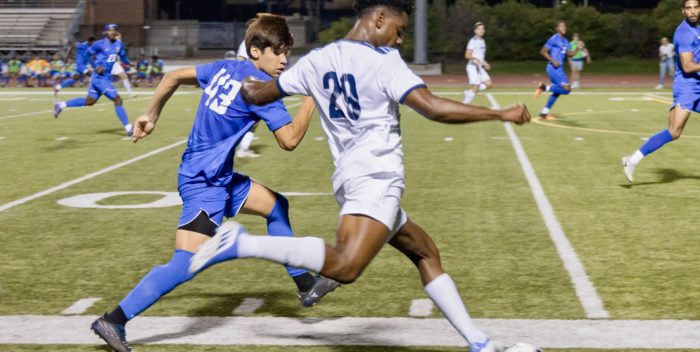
106	53
557	46
81	54
686	39
223	117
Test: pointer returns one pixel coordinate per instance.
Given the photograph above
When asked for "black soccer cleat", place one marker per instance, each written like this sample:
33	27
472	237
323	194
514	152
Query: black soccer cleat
322	287
113	334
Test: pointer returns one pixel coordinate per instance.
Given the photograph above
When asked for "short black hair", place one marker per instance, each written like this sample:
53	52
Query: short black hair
269	31
91	39
361	6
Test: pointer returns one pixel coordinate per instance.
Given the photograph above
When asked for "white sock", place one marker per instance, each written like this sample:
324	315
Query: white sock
247	140
443	292
128	127
62	105
548	87
482	87
468	96
636	157
545	111
301	252
127	85
57	87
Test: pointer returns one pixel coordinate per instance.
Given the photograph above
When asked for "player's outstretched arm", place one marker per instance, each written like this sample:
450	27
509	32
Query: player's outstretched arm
144	124
289	136
450	111
259	92
688	64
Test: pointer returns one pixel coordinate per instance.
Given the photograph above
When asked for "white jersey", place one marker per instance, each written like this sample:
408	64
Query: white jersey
478	47
242	52
357	89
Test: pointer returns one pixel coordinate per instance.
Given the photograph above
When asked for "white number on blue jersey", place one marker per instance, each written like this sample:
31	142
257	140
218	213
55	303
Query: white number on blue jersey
112	58
221	82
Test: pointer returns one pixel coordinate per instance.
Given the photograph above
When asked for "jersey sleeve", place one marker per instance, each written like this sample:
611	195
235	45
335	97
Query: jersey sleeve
396	79
122	55
550	43
471	45
205	72
274	114
684	41
295	80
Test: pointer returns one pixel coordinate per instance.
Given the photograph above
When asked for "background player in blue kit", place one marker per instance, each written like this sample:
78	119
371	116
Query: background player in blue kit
209	186
686	87
82	60
556	50
105	52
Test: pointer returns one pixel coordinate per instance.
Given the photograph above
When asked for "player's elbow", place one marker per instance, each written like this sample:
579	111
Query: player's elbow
287	144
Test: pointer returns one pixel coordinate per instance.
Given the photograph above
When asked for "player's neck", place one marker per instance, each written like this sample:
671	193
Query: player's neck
361	33
692	24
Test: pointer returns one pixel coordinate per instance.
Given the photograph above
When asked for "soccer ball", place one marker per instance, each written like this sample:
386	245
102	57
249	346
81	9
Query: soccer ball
523	347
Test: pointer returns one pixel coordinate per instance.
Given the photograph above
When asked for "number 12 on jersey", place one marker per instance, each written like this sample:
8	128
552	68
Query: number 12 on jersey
344	87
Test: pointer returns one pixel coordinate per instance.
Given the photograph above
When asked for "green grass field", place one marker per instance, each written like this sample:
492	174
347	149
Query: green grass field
606	66
638	243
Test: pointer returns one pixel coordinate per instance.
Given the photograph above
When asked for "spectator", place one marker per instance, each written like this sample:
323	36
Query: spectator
576	61
667	54
15	71
156	69
39	70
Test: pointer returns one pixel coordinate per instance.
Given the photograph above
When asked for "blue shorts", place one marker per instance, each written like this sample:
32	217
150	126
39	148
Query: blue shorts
53	73
141	74
217	201
99	86
557	75
687	96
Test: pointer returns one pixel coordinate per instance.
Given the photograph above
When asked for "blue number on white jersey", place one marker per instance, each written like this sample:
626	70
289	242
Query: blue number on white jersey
346	88
221	82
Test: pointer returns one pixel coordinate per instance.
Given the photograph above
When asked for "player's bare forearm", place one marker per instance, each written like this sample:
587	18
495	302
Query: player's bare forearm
289	136
452	112
687	63
260	92
167	86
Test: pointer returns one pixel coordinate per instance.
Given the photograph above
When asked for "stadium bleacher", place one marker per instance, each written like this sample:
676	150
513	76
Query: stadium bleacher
38	24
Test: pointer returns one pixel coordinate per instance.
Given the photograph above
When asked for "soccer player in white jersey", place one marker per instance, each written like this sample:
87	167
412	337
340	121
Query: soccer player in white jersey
118	70
357	84
477	65
244	150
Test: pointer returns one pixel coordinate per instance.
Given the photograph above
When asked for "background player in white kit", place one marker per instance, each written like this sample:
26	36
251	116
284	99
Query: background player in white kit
357	84
477	65
118	70
244	150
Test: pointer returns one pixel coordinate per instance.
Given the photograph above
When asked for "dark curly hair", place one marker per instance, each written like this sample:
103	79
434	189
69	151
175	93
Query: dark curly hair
361	6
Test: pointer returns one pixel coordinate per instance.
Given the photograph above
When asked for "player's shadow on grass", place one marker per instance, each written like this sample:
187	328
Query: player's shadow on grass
221	305
666	176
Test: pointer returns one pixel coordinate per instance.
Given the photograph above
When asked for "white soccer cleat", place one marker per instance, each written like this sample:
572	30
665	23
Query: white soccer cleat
246	153
628	168
523	347
660	86
221	247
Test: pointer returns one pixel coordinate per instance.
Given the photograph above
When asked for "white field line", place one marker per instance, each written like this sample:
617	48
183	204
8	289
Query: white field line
88	176
83	92
607	334
80	306
587	294
572	93
421	308
248	306
51	111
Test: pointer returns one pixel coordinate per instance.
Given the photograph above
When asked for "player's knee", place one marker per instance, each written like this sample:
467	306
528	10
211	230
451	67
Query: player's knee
346	272
118	100
675	133
90	101
488	84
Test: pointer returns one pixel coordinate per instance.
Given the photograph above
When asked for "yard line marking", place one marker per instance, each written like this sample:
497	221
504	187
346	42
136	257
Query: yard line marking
597	130
51	111
587	294
61	138
82	92
600	334
80	306
572	93
248	306
421	308
88	176
449	139
2	137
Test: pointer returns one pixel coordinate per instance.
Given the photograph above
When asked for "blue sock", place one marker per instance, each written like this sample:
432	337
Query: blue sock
67	83
121	113
75	103
157	283
278	225
552	100
557	89
655	142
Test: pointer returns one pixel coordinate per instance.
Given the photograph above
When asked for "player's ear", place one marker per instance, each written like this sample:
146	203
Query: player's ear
255	53
380	18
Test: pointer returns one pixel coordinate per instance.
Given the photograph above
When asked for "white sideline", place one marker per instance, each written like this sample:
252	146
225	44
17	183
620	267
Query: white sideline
80	306
88	176
608	334
586	292
47	112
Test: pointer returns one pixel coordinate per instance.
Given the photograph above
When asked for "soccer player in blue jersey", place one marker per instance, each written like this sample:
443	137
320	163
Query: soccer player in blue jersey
82	61
209	187
686	86
105	53
556	51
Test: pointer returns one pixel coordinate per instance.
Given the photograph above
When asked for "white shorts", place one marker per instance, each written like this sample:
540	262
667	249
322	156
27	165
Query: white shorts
117	68
477	75
378	198
577	65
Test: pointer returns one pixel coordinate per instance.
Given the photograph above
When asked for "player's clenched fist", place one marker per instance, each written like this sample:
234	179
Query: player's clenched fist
143	126
517	113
